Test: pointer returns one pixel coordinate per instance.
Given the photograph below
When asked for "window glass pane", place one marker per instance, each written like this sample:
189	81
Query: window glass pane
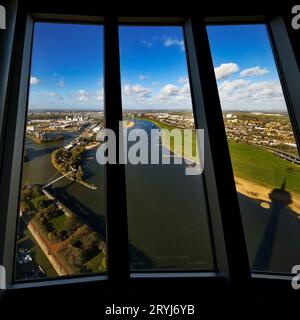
262	146
62	209
168	223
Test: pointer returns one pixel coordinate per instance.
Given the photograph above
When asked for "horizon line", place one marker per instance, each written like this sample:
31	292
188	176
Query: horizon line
153	110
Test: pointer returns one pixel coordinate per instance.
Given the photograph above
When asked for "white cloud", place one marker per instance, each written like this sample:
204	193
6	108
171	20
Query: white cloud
147	43
61	83
136	90
100	95
54	96
142	77
34	80
169	96
245	95
225	70
183	80
229	85
83	95
169	42
255	71
185	90
172	90
90	98
169	90
265	90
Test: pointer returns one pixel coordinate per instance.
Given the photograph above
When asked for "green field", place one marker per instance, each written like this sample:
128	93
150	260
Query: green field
261	166
58	222
256	164
97	264
190	152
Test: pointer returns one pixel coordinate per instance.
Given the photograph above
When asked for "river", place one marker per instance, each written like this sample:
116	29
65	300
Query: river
167	216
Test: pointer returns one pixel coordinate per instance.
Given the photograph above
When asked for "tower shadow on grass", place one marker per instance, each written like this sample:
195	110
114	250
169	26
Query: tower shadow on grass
280	198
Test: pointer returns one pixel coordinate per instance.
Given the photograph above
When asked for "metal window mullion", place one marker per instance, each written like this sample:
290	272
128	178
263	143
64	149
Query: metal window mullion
6	45
227	229
13	138
288	71
116	209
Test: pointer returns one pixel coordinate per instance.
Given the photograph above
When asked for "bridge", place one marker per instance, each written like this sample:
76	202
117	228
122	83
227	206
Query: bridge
59	178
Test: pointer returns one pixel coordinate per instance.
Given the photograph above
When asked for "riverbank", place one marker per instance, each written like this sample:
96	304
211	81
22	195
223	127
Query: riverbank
61	234
258	192
60	205
92	146
262	167
34	139
186	153
84	183
129	124
246	187
50	253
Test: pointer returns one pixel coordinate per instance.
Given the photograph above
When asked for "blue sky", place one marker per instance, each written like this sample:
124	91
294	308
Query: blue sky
67	67
245	68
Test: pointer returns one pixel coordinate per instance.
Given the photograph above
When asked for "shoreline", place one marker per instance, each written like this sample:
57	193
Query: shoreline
38	141
258	192
49	252
92	146
248	188
186	158
84	183
129	124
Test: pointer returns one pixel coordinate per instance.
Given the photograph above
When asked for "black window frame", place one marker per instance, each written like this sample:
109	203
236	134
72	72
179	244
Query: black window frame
227	231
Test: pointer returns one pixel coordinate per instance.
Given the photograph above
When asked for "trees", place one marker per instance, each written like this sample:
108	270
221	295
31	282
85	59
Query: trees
72	223
81	246
65	161
39	202
79	173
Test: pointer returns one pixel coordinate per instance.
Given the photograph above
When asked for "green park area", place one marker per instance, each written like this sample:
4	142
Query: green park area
189	151
78	247
252	163
262	166
69	161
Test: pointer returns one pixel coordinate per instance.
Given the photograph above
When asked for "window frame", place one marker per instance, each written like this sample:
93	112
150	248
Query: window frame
227	232
288	72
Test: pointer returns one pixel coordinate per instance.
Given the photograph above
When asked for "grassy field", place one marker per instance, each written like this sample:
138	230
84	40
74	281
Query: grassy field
97	264
191	153
261	166
256	164
58	222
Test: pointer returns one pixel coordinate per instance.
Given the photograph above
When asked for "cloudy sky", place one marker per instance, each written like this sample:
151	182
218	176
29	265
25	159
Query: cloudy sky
67	68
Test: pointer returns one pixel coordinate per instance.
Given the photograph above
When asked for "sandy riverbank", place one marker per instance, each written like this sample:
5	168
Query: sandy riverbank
128	124
256	191
92	146
180	151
